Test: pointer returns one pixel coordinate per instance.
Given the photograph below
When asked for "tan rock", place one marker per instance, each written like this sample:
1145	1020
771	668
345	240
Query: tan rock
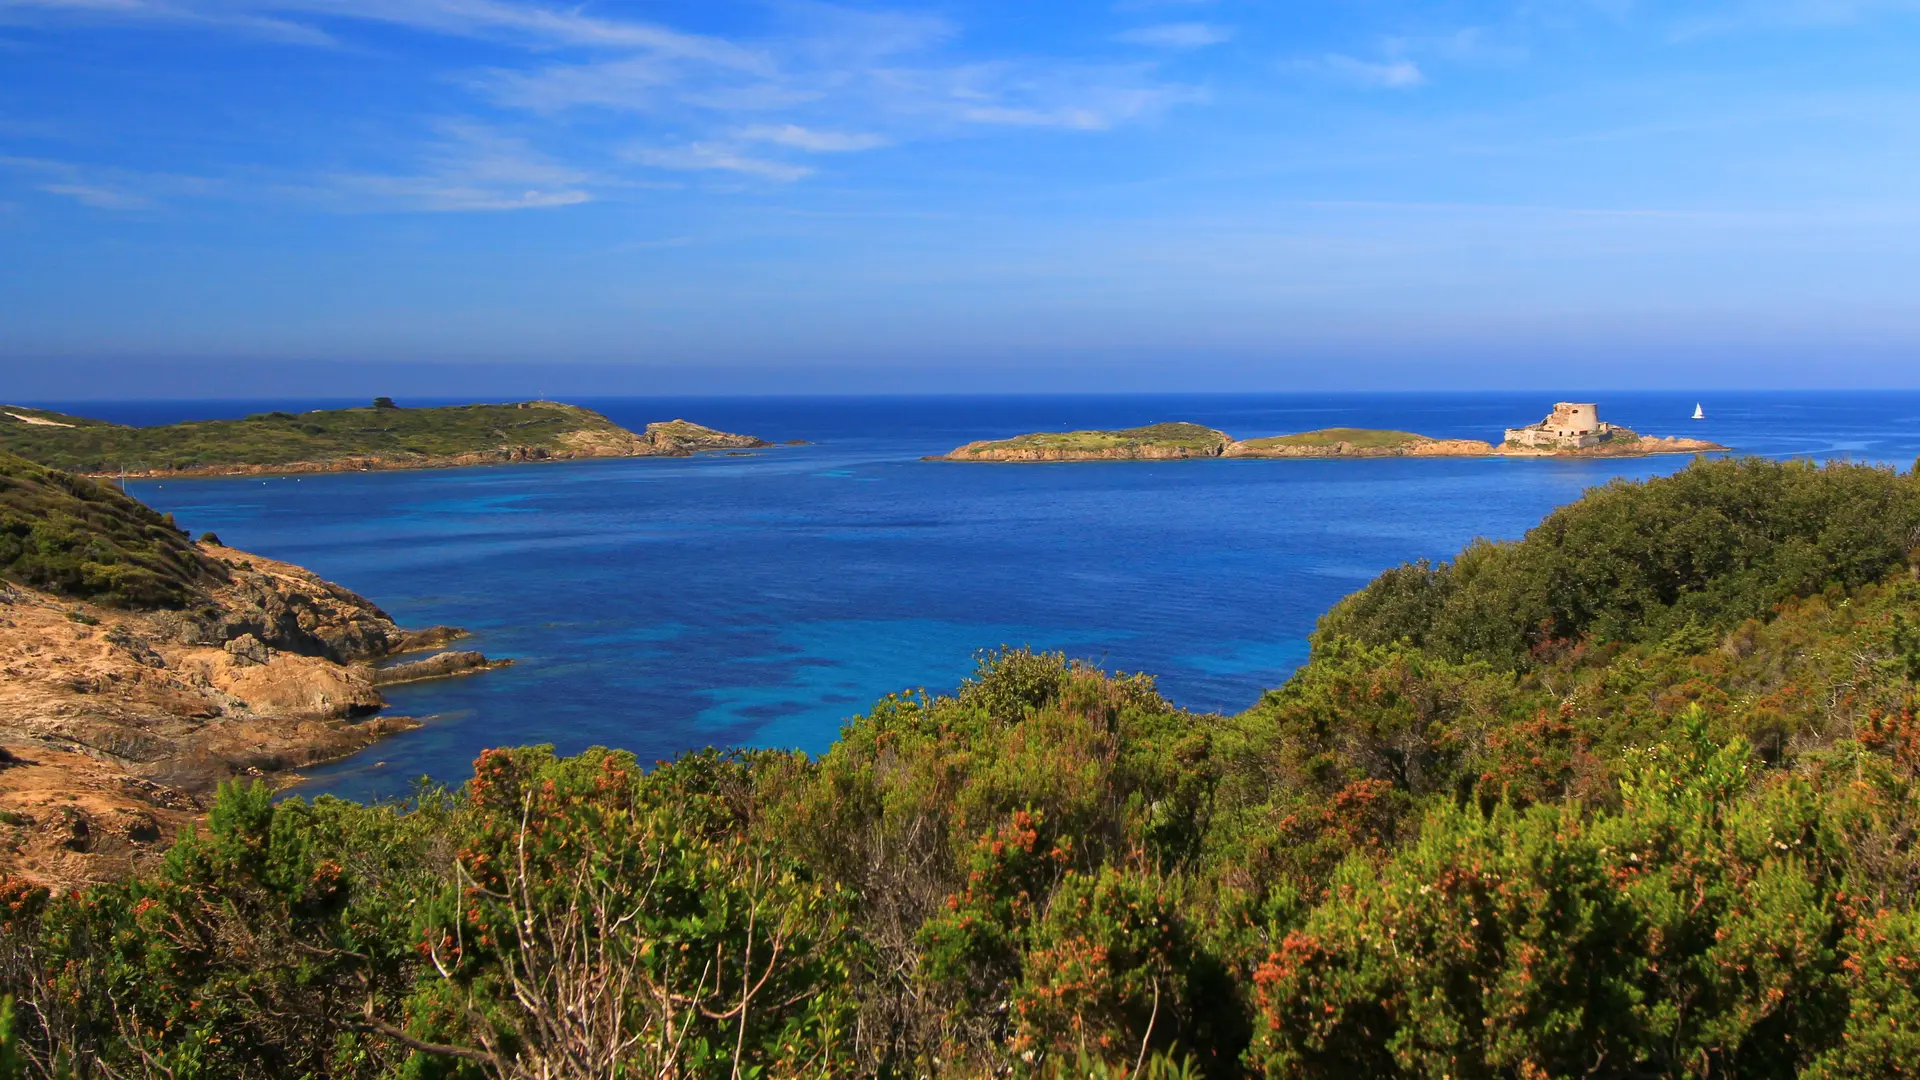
115	726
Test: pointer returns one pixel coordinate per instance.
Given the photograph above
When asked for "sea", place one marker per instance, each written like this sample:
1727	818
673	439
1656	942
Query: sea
660	605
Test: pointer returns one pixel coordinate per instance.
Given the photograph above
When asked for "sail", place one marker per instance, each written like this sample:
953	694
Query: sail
1698	412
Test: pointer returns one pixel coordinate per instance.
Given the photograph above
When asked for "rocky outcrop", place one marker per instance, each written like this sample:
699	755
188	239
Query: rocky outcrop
289	609
683	438
435	667
129	719
1630	445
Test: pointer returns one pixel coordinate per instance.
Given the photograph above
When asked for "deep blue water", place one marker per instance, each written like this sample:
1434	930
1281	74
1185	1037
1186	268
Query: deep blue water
660	604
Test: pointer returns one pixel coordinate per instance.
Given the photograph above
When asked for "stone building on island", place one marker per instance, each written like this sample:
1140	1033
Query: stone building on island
1571	426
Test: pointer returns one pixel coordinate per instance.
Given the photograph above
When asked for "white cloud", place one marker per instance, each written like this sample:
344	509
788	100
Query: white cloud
828	35
1381	74
1180	35
1004	94
103	188
533	25
1467	45
372	192
225	17
470	167
822	78
700	156
801	138
100	198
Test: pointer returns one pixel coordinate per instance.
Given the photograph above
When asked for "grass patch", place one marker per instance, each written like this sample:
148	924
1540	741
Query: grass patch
78	444
1370	438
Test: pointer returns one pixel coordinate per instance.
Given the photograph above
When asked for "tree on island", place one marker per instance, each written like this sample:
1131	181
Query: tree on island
384	403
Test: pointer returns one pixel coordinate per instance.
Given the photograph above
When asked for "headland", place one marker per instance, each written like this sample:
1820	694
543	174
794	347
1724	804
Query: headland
380	436
142	668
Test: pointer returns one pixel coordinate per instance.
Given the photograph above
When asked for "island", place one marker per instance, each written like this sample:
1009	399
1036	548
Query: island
1357	442
1155	442
1573	429
380	436
142	668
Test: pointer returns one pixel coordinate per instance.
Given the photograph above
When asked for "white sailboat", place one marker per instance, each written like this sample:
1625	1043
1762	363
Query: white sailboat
1698	412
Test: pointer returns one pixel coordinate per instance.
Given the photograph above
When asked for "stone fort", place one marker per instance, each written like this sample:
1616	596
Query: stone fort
1571	425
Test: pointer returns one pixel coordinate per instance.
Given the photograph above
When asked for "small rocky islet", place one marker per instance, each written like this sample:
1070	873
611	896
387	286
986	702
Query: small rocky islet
1573	429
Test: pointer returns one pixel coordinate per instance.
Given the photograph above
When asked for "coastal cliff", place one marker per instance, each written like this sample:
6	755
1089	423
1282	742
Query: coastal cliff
383	436
138	670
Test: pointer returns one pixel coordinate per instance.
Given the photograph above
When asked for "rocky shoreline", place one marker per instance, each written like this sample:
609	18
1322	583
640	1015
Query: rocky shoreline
117	725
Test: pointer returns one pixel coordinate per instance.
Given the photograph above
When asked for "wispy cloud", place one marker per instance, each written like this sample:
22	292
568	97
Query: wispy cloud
820	78
1391	74
1177	35
801	138
824	35
100	198
100	188
897	97
470	167
702	156
1007	94
531	25
1466	45
232	19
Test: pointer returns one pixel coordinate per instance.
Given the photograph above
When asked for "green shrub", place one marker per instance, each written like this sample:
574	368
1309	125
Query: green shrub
1716	543
75	538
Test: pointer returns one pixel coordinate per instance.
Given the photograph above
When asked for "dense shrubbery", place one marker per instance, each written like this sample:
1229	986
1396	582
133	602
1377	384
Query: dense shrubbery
1685	852
1720	542
85	540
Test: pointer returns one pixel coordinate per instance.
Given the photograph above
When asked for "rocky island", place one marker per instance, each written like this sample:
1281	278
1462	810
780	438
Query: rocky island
1356	442
138	669
380	436
1572	430
1155	442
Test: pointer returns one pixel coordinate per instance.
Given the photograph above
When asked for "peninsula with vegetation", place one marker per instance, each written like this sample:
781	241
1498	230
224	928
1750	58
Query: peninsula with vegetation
383	435
1633	796
1573	429
139	669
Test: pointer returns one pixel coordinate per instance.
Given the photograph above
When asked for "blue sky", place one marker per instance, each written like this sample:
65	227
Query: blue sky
1131	194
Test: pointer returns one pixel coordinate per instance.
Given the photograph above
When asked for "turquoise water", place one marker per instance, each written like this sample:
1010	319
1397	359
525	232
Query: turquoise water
664	604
